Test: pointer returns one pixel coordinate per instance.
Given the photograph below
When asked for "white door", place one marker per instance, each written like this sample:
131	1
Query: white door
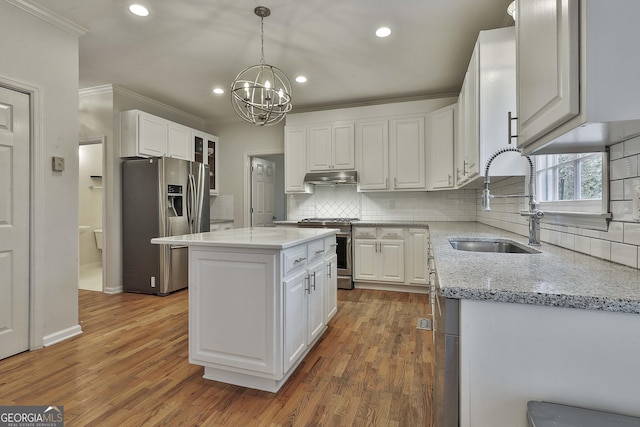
14	222
262	177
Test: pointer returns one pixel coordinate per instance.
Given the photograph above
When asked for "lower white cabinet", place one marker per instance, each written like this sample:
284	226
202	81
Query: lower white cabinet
255	313
394	256
417	246
379	254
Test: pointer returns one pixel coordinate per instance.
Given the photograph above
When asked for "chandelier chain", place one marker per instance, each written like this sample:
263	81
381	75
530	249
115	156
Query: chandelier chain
262	40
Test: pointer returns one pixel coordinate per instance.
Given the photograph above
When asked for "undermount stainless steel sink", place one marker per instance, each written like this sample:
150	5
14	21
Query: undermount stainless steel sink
495	245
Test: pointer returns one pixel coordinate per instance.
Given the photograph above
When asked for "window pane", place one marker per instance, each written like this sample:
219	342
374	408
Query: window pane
566	177
565	158
591	174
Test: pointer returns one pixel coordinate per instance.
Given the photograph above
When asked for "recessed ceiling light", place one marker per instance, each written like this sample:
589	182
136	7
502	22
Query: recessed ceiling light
138	9
301	79
218	91
383	32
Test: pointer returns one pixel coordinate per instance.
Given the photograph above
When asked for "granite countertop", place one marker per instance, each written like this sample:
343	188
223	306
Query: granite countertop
255	237
555	277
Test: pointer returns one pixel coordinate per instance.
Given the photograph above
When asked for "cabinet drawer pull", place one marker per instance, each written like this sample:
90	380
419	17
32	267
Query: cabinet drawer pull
307	286
319	251
299	260
314	281
334	245
510	119
329	270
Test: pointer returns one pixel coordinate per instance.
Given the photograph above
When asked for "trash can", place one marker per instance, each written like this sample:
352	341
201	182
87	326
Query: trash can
547	414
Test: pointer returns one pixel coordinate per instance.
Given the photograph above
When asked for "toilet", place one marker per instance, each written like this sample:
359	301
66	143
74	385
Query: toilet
98	233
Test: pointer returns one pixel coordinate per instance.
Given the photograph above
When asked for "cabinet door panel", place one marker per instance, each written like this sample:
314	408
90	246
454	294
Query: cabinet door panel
153	135
373	155
295	315
179	142
547	66
408	153
440	148
343	146
365	256
319	148
392	261
316	296
295	155
416	262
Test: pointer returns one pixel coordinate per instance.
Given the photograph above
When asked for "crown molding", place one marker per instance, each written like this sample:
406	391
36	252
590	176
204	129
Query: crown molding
119	90
50	17
95	90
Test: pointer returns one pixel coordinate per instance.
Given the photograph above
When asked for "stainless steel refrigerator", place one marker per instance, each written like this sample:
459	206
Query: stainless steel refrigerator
160	197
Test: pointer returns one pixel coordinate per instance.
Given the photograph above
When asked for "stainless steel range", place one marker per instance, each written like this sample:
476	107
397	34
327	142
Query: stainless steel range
343	239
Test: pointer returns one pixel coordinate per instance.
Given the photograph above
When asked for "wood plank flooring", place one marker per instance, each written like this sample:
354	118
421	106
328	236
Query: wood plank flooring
130	368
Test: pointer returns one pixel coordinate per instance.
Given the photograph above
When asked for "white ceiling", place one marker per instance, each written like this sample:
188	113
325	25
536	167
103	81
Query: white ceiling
185	48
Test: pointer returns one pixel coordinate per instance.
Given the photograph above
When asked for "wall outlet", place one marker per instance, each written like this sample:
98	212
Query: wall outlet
57	164
153	281
635	203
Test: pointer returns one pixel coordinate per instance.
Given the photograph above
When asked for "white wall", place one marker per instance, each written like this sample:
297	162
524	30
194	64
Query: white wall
237	140
39	55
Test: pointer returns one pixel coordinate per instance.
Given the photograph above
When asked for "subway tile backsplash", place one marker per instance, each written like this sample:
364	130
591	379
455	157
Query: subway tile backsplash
620	243
345	201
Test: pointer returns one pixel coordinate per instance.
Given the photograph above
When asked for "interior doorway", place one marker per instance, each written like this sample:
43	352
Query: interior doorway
15	137
278	197
90	213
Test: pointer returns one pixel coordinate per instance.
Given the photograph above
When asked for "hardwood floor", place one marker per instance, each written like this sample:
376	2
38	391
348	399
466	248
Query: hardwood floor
130	368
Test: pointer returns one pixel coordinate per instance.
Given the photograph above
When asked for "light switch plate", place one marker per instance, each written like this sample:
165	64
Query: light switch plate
57	164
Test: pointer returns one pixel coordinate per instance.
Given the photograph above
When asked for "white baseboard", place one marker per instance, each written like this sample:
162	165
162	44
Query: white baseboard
61	335
117	290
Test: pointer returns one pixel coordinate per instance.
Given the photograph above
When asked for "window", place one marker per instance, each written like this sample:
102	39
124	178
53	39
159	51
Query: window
574	184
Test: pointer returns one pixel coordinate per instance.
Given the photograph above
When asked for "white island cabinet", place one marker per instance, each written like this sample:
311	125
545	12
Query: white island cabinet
258	301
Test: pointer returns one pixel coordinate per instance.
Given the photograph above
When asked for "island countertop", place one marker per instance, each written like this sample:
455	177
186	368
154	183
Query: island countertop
252	237
555	277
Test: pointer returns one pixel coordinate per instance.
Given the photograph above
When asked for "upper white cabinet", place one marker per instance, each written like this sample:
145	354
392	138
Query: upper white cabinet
372	155
142	135
145	135
179	142
440	142
331	147
391	154
295	158
486	99
577	74
407	153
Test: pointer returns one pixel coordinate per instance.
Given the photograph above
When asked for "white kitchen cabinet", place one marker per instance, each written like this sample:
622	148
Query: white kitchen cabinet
417	246
145	135
577	74
390	154
304	309
142	135
256	309
331	147
218	226
295	157
486	99
372	155
440	148
407	157
378	254
206	150
179	142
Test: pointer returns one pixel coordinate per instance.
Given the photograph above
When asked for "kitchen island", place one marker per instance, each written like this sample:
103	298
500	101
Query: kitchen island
555	326
259	299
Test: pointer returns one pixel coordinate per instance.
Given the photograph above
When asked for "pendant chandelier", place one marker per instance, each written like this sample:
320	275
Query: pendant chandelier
261	94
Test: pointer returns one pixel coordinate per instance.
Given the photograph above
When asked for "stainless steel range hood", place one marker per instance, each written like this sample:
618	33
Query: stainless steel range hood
331	177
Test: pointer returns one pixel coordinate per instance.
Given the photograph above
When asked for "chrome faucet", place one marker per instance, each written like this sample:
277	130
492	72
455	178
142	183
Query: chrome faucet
534	214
